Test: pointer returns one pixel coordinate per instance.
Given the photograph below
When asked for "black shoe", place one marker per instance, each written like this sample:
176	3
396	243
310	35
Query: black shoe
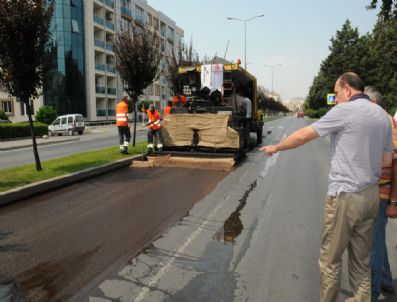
387	288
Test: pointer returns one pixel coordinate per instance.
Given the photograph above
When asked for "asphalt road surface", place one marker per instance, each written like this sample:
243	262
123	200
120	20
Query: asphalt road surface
256	237
250	235
98	139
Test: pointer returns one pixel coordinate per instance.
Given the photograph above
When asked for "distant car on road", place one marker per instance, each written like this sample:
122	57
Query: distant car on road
300	114
69	123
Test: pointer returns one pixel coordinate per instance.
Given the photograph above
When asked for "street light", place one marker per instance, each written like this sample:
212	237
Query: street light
272	67
245	34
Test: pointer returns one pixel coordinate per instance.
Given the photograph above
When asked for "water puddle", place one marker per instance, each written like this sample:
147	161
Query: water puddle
233	226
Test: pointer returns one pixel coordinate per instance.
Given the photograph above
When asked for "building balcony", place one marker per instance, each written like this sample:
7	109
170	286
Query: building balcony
100	89
100	66
98	20
101	112
110	25
126	11
112	91
99	43
111	68
109	47
140	19
109	3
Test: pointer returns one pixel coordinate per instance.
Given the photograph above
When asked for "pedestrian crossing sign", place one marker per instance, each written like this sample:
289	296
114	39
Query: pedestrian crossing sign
331	99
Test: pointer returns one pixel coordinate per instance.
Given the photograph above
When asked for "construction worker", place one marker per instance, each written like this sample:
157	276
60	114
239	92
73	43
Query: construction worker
154	128
122	125
167	109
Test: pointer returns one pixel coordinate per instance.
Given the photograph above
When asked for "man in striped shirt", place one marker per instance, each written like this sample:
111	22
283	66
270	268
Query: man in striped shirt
381	277
360	145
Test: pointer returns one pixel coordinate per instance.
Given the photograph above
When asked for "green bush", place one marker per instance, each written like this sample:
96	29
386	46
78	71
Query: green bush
21	130
316	113
46	115
3	116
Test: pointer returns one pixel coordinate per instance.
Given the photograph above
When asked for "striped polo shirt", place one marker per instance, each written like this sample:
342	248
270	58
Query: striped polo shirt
385	179
360	134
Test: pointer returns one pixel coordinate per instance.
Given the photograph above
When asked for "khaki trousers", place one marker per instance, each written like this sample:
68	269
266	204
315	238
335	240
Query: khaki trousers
348	223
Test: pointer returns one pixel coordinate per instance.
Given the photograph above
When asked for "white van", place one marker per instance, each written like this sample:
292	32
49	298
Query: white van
69	123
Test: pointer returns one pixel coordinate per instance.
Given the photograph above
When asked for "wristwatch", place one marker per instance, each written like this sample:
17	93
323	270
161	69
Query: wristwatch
393	203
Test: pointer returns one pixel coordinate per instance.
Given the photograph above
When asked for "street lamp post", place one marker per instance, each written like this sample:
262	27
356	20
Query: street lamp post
245	34
272	67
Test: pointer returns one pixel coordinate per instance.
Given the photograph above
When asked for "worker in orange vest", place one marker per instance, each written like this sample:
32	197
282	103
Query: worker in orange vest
167	109
154	128
122	125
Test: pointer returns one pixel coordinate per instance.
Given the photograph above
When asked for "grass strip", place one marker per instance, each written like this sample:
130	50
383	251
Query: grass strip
22	175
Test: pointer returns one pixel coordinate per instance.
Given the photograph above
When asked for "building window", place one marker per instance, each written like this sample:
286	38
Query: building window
75	26
151	89
149	19
24	110
6	107
156	23
157	88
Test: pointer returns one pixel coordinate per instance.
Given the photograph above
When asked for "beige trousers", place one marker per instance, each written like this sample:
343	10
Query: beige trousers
348	223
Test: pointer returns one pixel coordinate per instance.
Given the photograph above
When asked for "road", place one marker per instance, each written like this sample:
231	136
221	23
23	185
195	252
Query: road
250	235
57	243
96	139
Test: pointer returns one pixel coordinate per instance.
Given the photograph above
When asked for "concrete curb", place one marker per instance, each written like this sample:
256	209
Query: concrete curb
56	182
39	144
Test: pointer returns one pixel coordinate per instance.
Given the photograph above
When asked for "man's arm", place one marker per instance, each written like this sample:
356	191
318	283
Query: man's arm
296	139
391	212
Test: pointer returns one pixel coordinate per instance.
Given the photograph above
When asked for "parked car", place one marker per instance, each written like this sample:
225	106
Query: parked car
300	114
69	123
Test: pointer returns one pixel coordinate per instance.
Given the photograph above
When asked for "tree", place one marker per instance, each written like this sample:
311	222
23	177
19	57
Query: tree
46	115
185	56
24	38
137	61
388	8
383	52
348	52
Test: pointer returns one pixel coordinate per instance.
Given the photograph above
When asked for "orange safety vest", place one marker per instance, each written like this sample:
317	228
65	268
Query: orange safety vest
154	117
167	110
121	114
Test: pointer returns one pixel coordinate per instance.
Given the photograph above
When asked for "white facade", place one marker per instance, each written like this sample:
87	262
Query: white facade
103	19
15	110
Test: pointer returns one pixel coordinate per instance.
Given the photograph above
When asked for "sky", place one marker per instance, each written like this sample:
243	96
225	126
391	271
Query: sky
295	34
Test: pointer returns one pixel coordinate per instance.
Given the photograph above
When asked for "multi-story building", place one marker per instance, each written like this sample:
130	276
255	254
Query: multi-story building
15	110
83	78
294	104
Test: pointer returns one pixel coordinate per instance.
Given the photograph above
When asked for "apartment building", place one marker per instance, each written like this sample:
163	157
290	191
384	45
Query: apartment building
15	110
83	78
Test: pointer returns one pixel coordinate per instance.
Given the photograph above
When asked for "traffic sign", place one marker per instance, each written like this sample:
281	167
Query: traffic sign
331	99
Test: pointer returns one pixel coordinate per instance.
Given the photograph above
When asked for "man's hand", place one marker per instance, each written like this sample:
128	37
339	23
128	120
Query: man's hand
269	149
391	212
